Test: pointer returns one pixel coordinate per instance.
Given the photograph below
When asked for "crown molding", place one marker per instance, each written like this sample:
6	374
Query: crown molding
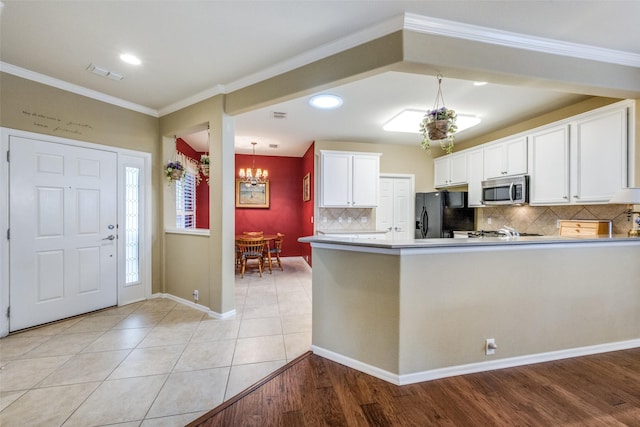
194	99
309	56
406	21
443	27
69	87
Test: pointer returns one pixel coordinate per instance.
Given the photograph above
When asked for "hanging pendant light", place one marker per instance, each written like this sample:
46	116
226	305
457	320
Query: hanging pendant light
253	176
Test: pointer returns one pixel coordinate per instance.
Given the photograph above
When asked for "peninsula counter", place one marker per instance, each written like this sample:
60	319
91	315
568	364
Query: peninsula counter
413	310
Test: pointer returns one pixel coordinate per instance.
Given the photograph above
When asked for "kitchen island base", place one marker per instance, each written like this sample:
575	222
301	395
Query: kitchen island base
411	314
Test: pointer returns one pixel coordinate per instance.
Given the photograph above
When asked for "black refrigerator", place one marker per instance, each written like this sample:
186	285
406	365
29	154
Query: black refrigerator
439	213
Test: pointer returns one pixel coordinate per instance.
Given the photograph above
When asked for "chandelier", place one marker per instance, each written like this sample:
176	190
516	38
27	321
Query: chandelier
253	176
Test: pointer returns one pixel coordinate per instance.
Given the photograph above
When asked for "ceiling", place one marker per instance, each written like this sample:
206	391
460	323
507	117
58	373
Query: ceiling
195	49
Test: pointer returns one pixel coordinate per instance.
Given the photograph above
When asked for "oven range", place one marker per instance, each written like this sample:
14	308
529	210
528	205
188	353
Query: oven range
485	233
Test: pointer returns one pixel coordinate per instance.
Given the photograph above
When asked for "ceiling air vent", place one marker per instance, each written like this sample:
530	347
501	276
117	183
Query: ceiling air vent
279	115
273	145
101	71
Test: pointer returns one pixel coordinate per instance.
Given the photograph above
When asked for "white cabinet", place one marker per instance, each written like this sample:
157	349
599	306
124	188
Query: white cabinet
549	166
599	156
581	162
506	157
475	175
349	179
450	170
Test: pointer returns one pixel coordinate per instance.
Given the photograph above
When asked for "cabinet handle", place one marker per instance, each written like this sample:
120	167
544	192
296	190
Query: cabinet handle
565	197
576	196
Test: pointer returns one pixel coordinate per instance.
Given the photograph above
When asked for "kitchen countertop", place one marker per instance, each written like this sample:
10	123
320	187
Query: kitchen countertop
414	310
463	243
351	231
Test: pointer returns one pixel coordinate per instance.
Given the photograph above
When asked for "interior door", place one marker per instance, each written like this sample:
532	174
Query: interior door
62	217
395	211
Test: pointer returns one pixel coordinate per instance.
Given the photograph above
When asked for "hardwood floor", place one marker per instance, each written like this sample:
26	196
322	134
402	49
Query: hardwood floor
597	390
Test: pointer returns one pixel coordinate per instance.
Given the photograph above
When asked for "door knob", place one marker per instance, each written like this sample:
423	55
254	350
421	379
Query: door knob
110	237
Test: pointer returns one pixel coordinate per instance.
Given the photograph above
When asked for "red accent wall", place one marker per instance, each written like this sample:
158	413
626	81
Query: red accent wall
306	224
287	212
286	207
202	190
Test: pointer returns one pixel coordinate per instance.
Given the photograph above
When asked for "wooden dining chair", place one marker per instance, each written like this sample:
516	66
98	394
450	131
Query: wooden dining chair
251	248
277	248
253	233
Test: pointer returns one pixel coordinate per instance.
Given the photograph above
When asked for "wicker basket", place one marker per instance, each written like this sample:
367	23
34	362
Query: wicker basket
176	174
438	130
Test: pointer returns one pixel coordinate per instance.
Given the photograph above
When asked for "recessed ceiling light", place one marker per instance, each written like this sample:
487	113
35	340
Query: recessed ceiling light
326	101
130	59
479	83
408	121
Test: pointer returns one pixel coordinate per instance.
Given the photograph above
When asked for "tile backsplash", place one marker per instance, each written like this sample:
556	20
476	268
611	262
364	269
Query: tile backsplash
343	219
544	219
526	219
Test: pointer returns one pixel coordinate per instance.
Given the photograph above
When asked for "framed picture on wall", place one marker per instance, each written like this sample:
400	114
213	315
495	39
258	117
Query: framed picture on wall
252	196
306	190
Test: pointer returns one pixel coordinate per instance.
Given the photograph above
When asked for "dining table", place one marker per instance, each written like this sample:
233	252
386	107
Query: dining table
267	241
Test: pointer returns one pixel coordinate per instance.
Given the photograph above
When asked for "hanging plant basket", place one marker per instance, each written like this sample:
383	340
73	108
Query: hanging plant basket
176	174
438	124
438	130
174	171
204	166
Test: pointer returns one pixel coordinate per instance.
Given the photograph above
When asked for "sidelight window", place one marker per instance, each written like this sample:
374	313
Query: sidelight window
132	225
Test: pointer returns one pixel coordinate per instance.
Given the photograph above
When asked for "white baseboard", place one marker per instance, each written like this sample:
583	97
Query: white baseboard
471	368
200	307
357	365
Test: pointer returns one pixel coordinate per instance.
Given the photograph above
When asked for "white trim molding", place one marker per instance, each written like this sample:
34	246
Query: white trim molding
459	30
452	371
218	316
79	90
406	21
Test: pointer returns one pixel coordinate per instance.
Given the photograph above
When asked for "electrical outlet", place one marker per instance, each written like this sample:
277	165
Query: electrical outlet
558	223
490	346
349	220
196	295
489	220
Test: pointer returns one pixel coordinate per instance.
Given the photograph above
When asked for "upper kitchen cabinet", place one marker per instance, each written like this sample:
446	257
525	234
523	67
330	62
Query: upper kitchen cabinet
349	180
549	166
599	160
475	175
450	170
505	157
582	160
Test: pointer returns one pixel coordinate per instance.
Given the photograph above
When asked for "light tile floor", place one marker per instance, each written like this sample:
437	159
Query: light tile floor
157	362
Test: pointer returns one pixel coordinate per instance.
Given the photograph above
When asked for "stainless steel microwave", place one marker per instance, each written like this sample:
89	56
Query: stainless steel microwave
509	190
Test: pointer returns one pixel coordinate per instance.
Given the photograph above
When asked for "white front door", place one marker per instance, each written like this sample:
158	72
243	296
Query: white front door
63	231
395	211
